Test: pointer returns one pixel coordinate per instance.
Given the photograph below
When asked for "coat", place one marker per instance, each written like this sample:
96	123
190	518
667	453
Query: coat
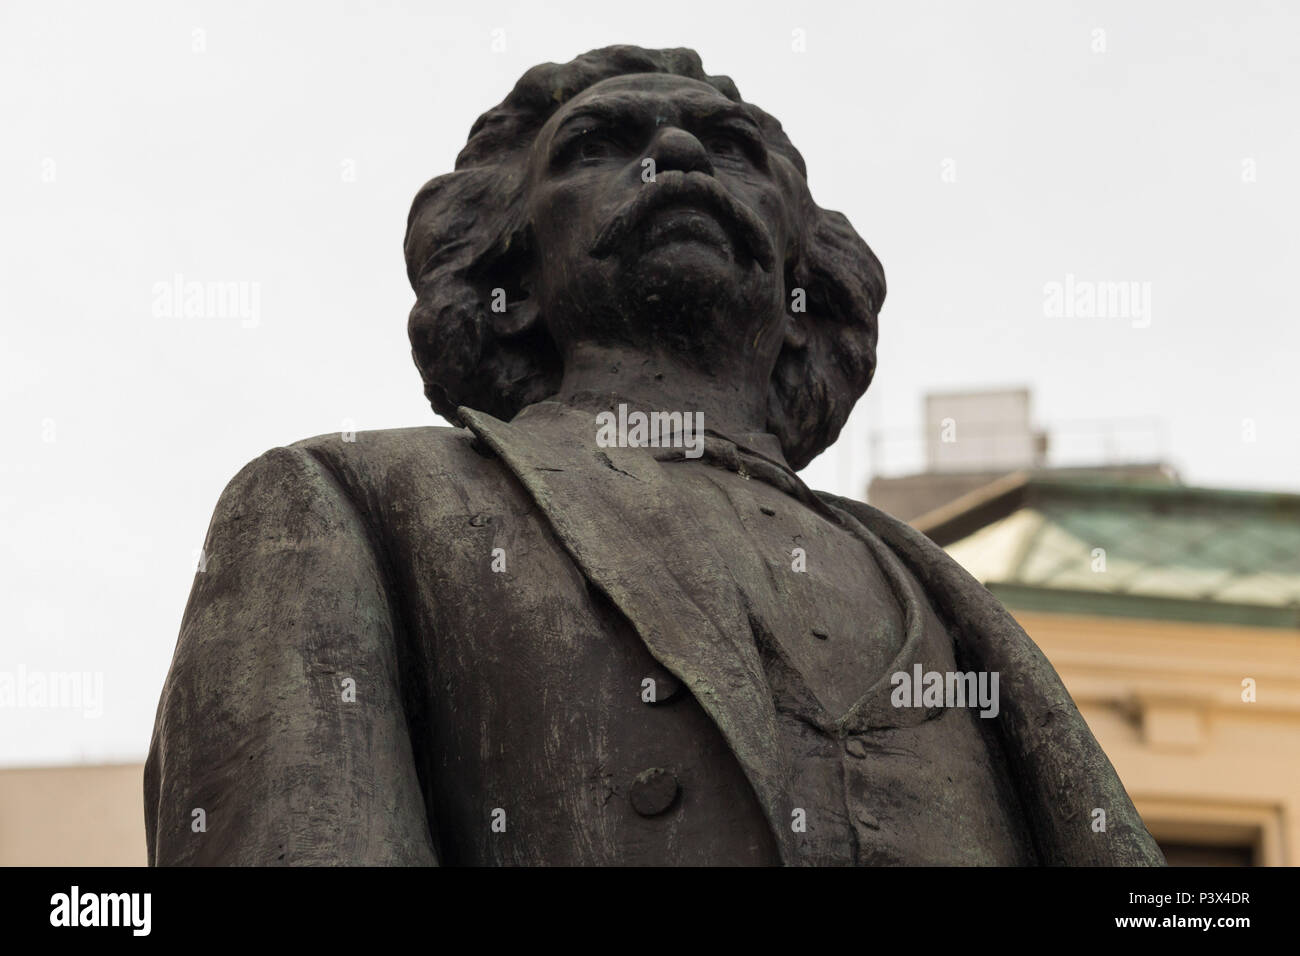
426	644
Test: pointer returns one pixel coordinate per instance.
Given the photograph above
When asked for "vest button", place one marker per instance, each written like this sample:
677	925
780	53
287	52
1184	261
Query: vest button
654	791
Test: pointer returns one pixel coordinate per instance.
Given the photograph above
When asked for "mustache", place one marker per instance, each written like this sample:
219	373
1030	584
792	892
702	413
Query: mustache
675	187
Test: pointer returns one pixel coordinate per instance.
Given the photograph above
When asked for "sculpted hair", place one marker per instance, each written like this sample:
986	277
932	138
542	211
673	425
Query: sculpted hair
468	235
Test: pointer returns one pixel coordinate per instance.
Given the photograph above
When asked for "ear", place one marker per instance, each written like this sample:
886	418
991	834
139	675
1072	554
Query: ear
504	279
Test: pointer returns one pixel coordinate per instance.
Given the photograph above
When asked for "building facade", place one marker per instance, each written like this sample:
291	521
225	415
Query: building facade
1173	617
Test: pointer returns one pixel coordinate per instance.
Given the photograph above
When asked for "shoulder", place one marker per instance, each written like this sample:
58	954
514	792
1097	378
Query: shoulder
899	535
358	464
937	570
394	454
309	487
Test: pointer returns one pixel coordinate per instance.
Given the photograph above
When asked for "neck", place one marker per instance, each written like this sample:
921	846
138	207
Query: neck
734	406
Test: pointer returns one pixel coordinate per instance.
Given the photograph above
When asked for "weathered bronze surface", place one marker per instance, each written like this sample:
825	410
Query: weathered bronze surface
517	641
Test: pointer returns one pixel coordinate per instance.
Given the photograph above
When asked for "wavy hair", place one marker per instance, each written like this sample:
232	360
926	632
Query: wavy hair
468	234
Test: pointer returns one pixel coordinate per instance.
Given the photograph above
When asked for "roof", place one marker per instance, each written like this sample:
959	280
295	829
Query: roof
1134	549
911	496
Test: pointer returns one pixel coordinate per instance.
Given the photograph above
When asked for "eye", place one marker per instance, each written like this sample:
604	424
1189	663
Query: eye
594	146
734	147
587	147
724	144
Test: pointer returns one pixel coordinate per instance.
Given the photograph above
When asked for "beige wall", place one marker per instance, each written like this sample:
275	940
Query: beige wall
1165	701
72	816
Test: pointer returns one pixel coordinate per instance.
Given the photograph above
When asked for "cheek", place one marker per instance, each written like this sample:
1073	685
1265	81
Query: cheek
562	220
776	215
770	203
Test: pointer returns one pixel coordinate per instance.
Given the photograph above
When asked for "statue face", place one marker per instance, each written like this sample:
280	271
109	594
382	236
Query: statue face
694	257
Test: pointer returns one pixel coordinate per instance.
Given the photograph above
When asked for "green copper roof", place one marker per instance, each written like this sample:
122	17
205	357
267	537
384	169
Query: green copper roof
1144	550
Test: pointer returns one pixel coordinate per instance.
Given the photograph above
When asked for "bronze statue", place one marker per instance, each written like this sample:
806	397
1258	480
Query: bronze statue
602	621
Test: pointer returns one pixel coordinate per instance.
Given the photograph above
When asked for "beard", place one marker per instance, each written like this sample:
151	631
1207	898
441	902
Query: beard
682	296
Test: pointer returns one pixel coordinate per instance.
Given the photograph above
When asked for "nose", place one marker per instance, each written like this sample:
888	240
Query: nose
675	149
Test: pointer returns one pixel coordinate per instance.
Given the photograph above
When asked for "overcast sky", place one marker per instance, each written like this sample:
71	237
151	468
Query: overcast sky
984	150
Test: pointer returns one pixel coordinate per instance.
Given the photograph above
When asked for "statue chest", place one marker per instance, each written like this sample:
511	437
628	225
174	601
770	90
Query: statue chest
549	734
816	596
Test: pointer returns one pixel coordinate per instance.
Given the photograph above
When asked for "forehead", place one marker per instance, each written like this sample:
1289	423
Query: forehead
669	96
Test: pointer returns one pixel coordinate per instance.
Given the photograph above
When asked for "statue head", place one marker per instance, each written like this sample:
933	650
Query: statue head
627	199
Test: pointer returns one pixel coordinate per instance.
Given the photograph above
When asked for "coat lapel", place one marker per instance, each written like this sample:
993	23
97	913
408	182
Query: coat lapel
617	516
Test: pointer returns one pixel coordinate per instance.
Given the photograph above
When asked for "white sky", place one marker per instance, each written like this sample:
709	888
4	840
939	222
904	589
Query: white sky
129	158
